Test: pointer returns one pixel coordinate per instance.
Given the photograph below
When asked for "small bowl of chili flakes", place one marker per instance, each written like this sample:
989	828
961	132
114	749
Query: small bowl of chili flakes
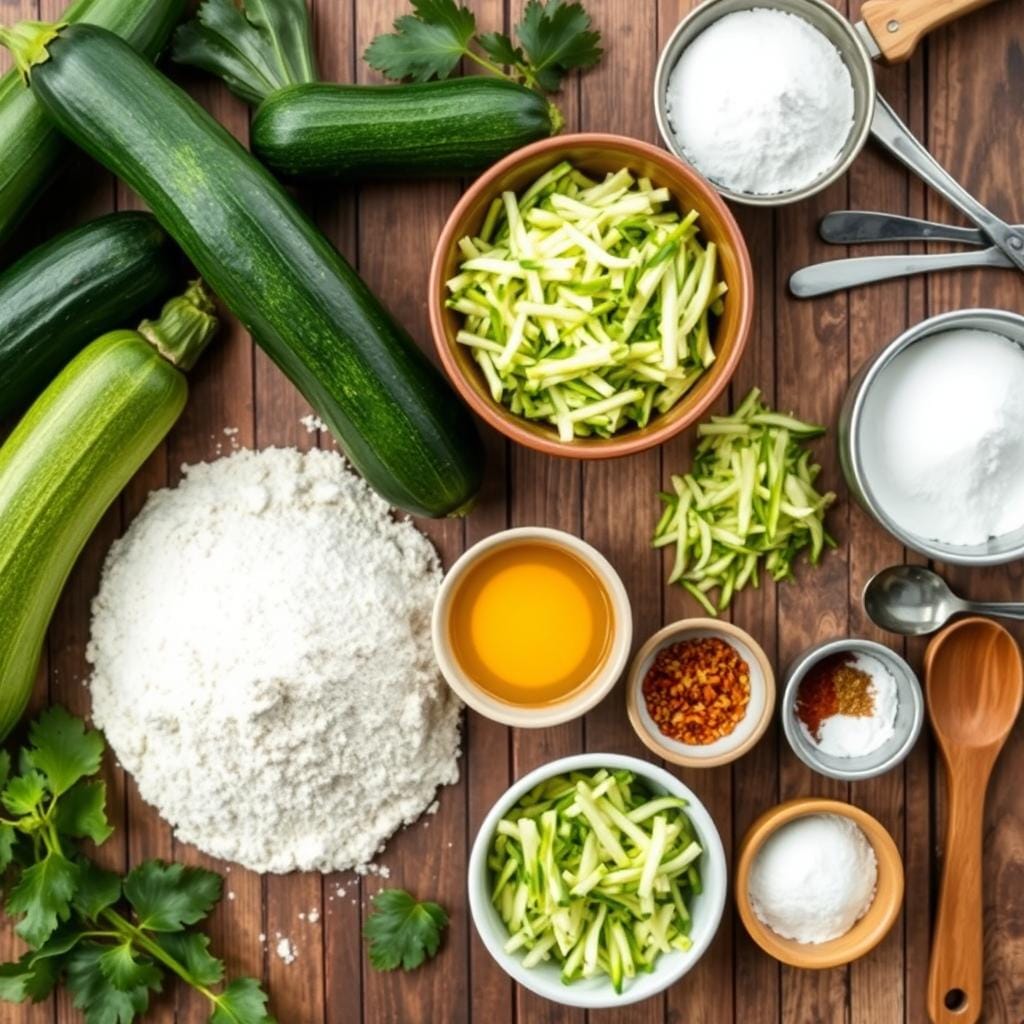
701	693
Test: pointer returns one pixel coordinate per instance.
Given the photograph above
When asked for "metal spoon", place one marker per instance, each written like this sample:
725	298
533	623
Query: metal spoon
912	600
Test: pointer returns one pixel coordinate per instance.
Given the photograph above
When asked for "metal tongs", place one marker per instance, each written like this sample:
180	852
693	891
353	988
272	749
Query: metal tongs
1004	242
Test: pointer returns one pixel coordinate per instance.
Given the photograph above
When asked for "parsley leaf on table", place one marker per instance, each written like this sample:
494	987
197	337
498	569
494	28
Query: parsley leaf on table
92	993
73	912
192	950
43	894
556	37
242	1002
82	812
402	932
27	979
166	897
63	750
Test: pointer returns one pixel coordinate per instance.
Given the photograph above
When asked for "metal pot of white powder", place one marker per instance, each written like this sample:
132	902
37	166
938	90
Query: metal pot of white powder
931	437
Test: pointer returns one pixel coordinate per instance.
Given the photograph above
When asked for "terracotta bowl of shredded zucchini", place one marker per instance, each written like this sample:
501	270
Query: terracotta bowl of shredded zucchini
590	296
597	880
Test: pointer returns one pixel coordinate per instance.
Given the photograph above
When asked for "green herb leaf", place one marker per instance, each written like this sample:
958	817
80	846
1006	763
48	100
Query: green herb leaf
5	767
62	941
63	750
101	1002
402	932
425	45
97	890
501	49
167	897
8	837
27	979
81	812
191	950
43	894
242	1002
24	793
125	971
557	38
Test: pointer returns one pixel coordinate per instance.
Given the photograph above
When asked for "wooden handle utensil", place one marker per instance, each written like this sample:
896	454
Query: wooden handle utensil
974	682
899	25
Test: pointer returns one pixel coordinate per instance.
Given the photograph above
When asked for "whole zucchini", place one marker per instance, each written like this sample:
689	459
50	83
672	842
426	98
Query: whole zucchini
315	130
67	291
400	423
433	129
70	456
30	147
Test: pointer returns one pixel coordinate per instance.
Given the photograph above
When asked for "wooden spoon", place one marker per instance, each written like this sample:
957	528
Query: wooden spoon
974	681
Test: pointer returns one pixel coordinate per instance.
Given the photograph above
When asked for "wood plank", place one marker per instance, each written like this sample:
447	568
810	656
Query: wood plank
429	858
811	377
877	314
975	75
335	210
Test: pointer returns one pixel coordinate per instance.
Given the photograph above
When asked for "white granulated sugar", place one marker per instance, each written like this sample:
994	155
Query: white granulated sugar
761	102
313	916
942	440
262	663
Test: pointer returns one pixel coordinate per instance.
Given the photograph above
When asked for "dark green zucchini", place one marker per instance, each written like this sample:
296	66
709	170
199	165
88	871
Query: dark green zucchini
431	129
30	147
305	129
401	424
71	289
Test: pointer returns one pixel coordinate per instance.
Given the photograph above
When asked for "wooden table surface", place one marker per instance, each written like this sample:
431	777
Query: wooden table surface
962	95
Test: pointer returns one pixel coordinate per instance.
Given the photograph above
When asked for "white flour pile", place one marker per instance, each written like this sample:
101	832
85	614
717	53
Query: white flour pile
943	437
761	102
263	663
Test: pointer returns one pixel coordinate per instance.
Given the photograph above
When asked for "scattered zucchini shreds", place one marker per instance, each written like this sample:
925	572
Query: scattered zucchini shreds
601	884
748	500
586	305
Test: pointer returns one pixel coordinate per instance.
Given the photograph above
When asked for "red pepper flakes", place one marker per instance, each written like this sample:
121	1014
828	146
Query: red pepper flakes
697	691
833	686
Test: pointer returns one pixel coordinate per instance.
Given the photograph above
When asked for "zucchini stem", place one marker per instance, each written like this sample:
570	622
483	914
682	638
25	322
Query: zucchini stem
27	41
186	325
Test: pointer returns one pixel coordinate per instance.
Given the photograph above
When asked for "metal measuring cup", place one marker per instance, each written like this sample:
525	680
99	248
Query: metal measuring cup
891	29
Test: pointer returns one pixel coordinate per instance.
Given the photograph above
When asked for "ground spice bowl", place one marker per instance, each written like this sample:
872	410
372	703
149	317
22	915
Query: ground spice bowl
750	728
595	153
909	713
868	932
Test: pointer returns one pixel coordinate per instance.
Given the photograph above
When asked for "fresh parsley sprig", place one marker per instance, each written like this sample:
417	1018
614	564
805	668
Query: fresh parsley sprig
402	931
111	940
554	38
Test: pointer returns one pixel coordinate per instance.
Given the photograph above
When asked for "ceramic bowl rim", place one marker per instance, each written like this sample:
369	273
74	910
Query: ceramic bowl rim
576	703
836	952
569	995
635	681
629	442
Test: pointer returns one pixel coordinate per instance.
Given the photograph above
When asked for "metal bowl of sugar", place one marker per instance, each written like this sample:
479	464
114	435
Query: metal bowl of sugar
958	507
887	669
839	32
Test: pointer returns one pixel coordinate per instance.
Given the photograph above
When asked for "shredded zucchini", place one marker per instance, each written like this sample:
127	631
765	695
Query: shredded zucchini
749	501
593	872
588	305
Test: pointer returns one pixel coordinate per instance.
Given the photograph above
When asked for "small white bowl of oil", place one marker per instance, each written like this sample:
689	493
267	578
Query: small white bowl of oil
532	627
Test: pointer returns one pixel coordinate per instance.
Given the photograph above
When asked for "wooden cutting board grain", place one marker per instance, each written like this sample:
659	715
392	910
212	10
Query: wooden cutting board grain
961	94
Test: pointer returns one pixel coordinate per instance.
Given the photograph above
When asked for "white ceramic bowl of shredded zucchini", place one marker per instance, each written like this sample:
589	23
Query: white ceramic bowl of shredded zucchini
597	880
